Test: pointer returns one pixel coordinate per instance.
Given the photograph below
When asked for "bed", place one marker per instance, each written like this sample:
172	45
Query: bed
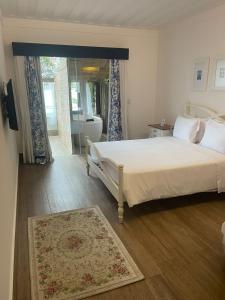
141	170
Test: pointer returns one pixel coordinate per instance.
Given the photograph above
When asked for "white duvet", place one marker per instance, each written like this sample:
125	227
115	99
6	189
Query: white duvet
163	167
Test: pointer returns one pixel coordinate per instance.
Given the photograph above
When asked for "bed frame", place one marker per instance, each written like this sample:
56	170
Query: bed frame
191	110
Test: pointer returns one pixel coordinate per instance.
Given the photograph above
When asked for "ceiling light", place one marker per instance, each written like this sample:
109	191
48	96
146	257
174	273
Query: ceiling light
90	69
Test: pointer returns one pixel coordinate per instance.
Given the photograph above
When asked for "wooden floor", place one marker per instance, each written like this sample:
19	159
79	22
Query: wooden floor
175	242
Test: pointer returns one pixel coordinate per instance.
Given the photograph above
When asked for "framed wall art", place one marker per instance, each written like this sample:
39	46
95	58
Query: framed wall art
200	74
218	75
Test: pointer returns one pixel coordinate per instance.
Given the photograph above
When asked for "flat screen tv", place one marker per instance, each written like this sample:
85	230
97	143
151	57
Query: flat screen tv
10	106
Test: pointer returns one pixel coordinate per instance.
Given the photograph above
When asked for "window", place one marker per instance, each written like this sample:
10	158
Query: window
50	104
75	97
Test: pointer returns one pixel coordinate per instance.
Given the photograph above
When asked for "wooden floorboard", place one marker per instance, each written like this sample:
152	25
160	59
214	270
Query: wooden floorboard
175	242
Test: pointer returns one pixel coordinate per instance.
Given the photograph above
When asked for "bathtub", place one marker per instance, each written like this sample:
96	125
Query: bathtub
92	129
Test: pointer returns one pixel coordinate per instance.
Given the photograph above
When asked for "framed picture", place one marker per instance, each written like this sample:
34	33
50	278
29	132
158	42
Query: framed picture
218	81
200	74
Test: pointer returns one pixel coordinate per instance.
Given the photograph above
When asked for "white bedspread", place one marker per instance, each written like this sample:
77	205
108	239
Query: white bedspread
163	167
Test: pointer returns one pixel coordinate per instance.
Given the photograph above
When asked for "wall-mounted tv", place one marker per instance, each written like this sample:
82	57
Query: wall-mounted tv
10	106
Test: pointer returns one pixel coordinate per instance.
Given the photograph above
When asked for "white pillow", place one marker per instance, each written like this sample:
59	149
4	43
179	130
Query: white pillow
214	137
186	129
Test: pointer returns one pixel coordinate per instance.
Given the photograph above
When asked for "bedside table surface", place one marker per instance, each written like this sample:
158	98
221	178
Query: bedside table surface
158	126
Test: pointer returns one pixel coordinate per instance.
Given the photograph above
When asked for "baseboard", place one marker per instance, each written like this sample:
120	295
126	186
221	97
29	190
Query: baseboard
14	234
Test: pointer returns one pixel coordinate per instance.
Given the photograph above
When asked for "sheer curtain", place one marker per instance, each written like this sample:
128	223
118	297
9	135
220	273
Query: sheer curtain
117	115
23	112
30	98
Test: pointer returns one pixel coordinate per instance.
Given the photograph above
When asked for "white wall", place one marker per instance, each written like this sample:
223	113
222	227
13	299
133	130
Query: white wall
8	193
142	65
179	44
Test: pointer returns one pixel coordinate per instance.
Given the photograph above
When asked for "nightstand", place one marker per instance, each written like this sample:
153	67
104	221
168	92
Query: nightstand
156	130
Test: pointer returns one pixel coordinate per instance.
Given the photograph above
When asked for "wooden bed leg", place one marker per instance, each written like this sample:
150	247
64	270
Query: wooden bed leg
120	200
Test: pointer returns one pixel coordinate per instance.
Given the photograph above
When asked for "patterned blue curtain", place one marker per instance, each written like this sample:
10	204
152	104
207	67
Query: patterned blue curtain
41	147
114	118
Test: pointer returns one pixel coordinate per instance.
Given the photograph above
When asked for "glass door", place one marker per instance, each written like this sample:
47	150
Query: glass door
88	82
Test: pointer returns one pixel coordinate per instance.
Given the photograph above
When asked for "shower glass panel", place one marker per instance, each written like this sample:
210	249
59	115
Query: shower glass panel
88	84
75	96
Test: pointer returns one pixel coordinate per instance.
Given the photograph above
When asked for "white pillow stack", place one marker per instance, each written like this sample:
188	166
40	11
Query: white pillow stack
214	136
186	129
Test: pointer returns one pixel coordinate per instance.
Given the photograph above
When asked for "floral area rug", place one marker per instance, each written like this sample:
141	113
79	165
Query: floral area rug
77	254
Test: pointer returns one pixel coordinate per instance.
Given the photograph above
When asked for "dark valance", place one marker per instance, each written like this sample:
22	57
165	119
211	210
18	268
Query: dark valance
35	49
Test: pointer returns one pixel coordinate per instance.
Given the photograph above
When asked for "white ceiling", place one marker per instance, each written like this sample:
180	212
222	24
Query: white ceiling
126	13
